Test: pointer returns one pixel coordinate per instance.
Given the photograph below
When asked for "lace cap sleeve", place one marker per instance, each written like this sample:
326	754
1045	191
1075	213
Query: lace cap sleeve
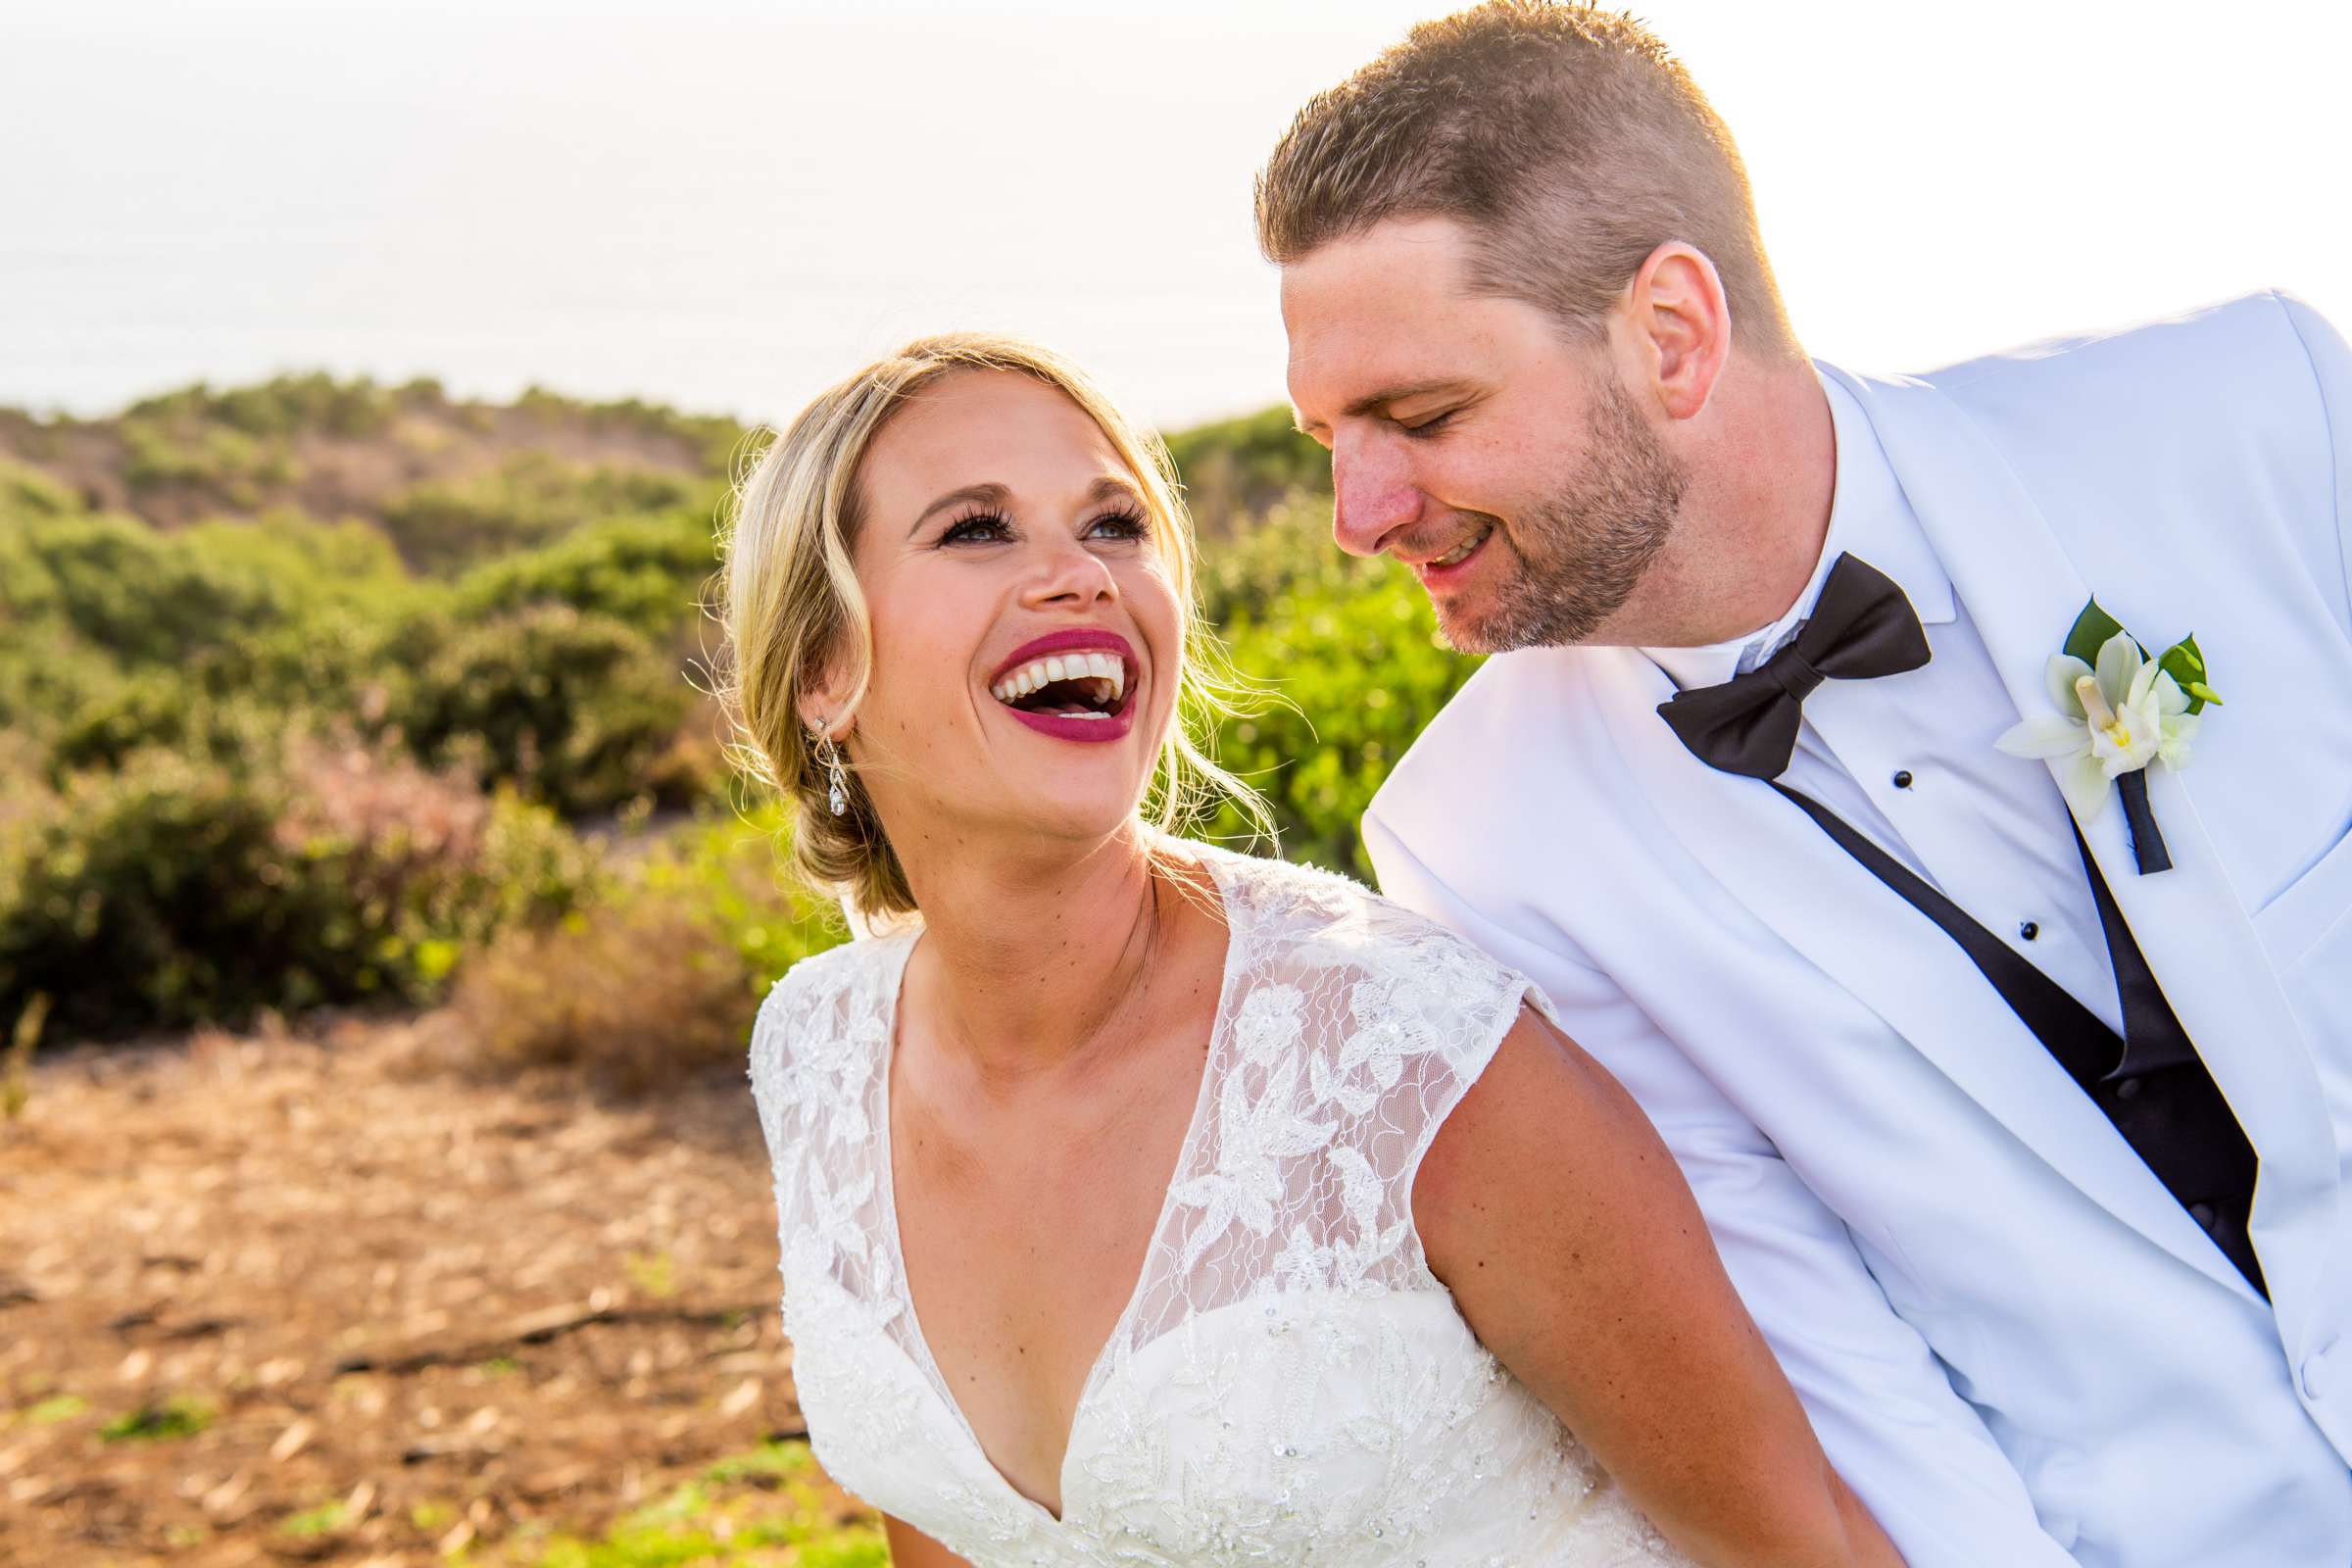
813	1046
1354	1030
1428	984
770	1057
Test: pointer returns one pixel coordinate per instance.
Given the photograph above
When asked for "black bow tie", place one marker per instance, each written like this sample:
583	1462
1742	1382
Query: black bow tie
1861	627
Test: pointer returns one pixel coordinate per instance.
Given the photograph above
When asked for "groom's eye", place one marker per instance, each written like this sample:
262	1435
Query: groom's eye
1427	426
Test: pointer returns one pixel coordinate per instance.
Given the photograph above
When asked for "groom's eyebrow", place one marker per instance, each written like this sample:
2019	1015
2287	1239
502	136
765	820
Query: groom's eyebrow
1375	402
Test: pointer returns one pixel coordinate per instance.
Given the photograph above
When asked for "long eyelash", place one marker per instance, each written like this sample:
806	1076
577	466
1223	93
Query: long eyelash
955	532
1133	518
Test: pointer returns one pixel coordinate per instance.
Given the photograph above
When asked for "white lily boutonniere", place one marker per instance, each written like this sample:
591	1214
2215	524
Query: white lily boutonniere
2118	710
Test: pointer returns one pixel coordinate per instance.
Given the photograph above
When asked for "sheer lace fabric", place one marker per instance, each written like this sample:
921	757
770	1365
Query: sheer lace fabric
1289	1383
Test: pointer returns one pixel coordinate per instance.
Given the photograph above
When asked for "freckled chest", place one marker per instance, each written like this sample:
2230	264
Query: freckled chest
1025	1224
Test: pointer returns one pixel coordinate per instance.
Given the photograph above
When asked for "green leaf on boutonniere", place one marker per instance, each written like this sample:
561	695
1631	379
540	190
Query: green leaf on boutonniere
2187	665
2092	630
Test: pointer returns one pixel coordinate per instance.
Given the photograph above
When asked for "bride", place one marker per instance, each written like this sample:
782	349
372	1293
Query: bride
1143	1203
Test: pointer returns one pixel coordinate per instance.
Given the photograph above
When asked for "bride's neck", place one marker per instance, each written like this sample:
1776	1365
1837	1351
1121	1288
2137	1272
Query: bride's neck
1026	954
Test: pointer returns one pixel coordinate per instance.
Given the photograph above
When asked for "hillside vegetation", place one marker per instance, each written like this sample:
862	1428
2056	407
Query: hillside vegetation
322	692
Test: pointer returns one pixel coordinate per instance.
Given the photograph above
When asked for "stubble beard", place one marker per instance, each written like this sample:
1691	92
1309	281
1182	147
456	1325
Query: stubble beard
1581	551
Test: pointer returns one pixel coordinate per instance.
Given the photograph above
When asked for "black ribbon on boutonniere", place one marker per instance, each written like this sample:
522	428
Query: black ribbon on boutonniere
2147	840
2185	662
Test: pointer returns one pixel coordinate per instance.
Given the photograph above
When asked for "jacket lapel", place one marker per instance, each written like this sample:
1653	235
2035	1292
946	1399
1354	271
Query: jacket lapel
2023	593
1887	956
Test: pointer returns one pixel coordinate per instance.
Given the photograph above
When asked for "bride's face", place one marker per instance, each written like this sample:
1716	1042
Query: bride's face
1025	624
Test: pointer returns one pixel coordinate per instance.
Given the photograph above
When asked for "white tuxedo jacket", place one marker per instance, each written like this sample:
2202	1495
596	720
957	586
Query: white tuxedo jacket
2013	1342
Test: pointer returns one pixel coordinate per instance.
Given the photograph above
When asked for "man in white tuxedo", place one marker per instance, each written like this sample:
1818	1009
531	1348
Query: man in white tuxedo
2023	1130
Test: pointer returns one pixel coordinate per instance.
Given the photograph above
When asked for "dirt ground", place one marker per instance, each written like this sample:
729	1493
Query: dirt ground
299	1298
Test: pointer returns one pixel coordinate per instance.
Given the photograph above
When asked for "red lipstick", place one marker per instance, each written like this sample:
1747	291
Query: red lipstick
1087	639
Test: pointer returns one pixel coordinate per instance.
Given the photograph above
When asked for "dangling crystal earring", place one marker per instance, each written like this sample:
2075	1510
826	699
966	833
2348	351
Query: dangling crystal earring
837	777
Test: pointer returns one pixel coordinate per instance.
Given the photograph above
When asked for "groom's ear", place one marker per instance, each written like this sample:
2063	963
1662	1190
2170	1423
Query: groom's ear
1680	324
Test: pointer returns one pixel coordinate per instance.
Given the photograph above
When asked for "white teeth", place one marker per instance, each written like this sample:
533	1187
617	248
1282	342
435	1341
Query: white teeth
1461	551
1107	667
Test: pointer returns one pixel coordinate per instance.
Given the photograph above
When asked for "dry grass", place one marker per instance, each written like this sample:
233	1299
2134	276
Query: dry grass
274	1299
637	995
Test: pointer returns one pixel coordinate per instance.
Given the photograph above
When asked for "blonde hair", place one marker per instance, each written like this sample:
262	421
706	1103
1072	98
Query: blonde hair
1567	139
793	607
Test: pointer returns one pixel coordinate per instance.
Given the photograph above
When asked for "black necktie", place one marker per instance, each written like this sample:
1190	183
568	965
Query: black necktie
2150	1083
1861	627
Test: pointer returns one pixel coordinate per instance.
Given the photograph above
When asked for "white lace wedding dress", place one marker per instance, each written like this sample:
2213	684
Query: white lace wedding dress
1288	1384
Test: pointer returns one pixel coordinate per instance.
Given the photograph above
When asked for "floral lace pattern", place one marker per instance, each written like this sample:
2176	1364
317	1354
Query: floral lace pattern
1289	1383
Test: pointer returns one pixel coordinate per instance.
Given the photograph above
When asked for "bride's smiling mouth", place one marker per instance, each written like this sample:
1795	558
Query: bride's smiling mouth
1077	685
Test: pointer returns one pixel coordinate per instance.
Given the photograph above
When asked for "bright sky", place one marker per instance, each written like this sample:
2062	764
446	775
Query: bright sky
724	206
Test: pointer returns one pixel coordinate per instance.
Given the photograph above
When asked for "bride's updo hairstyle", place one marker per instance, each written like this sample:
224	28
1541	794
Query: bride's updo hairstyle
793	606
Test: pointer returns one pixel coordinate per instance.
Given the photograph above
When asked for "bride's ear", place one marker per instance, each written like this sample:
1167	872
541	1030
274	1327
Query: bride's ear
824	702
1681	326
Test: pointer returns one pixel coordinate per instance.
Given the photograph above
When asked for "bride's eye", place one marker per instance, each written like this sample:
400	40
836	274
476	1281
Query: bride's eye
1123	524
979	528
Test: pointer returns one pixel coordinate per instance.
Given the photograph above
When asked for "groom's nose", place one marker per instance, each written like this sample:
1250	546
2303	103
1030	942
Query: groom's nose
1372	494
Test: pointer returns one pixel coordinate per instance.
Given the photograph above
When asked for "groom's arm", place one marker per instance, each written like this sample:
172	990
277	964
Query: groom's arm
1886	1412
2332	368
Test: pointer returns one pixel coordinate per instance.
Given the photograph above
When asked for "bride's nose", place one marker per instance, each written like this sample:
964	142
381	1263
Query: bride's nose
1066	575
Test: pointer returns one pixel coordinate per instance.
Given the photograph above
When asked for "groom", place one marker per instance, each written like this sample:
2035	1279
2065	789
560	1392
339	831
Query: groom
2017	1088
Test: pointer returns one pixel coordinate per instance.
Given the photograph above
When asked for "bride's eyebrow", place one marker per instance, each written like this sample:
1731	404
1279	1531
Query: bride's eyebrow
1112	487
990	494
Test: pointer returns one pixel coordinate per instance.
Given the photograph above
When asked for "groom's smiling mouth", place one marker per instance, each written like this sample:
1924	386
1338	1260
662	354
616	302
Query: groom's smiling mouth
1436	570
1077	685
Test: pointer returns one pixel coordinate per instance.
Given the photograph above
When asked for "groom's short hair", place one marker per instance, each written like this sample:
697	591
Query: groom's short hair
1567	139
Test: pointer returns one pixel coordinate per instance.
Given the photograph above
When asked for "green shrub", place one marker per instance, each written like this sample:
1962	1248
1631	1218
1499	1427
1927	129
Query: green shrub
1351	649
1283	558
221	460
444	525
737	868
142	597
576	711
337	659
174	892
312	561
648	573
1235	469
289	405
46	677
27	493
155	708
659	980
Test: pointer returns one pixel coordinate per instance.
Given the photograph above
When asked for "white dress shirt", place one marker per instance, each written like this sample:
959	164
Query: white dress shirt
1908	760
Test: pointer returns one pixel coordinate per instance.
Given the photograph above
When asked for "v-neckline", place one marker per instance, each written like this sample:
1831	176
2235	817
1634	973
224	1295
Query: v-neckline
886	1184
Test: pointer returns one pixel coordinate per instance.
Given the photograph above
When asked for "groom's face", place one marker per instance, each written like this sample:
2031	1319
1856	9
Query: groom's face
1475	440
